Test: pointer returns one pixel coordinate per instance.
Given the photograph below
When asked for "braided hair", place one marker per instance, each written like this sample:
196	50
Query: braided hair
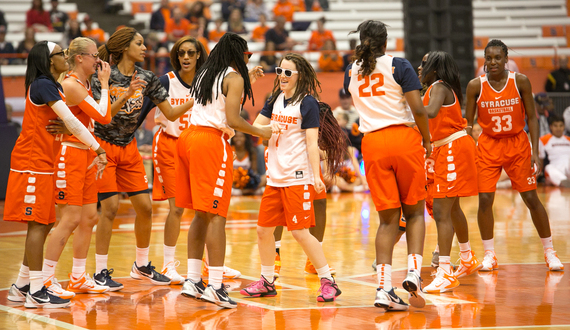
373	36
229	50
496	43
307	84
332	139
116	45
445	69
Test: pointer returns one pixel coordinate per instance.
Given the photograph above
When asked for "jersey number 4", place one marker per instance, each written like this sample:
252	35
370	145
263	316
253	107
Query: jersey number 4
507	120
365	90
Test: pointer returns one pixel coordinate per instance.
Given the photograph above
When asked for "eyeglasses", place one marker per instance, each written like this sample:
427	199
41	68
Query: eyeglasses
286	72
248	54
94	55
62	53
190	53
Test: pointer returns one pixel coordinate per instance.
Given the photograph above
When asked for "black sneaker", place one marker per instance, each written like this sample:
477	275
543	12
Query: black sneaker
42	299
18	294
389	300
219	297
148	272
193	290
104	278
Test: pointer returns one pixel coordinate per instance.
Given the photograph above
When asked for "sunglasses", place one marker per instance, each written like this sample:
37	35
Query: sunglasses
94	55
286	72
248	54
62	53
190	53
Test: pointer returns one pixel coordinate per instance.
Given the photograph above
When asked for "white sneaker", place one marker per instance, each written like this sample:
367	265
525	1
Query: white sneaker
169	270
413	284
442	282
552	260
489	262
84	284
18	294
193	290
219	297
389	300
230	273
55	289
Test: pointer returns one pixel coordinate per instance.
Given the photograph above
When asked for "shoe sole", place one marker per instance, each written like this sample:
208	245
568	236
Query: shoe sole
416	298
483	269
441	290
80	291
470	272
63	297
47	306
257	295
221	304
143	277
188	294
17	299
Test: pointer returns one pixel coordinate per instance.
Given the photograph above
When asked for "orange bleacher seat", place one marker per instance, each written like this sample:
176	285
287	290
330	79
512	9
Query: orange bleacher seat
141	7
399	44
480	42
538	62
553	31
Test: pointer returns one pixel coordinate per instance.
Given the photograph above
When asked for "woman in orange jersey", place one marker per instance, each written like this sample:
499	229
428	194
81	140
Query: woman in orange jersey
455	170
502	99
386	94
204	172
76	191
30	193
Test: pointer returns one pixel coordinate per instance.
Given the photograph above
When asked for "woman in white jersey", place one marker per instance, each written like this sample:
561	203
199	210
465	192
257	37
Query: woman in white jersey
204	170
293	171
383	89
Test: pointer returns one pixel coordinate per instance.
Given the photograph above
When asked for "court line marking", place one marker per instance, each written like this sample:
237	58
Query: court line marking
41	318
551	326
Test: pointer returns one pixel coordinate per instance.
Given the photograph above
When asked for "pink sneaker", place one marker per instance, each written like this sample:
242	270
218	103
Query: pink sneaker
328	291
261	288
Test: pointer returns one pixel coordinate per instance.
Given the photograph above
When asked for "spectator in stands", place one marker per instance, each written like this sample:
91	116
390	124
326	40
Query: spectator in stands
154	48
559	80
6	47
178	26
215	35
235	22
317	5
347	58
229	5
320	35
258	33
269	59
346	107
566	116
26	45
38	18
3	20
254	9
284	8
58	18
544	107
195	11
557	147
298	5
16	124
330	60
92	32
279	36
161	16
73	31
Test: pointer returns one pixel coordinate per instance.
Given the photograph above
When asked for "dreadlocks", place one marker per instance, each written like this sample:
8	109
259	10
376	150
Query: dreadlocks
307	83
332	139
229	50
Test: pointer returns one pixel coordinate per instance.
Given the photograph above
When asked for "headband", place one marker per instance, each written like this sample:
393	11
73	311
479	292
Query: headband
51	46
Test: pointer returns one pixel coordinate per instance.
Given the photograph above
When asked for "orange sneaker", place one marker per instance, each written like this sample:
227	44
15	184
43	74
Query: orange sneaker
277	264
84	284
229	273
490	262
442	282
310	269
469	266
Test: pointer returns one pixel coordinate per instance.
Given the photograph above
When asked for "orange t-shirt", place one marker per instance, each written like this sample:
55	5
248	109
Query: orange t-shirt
448	120
326	63
298	5
500	113
284	9
317	40
166	15
215	35
204	43
95	34
258	33
179	29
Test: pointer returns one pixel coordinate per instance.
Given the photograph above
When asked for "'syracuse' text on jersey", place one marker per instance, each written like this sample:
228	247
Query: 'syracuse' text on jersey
178	92
500	113
287	156
379	97
125	123
35	149
213	114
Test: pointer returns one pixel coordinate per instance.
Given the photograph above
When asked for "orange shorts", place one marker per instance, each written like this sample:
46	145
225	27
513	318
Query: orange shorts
430	173
322	194
394	162
74	183
287	206
204	170
29	197
455	169
125	170
511	153
163	156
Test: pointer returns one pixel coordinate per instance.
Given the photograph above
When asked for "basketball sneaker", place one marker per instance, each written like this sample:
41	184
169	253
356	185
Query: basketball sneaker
84	284
193	290
310	269
442	282
18	294
277	264
148	272
43	299
328	290
219	297
552	260
435	259
469	266
413	284
490	262
104	278
261	288
169	271
55	289
374	265
229	273
389	300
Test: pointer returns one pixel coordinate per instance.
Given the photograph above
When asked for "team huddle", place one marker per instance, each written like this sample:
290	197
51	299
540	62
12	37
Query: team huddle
417	151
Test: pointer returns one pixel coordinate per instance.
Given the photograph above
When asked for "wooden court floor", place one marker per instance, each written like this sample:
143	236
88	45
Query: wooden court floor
522	294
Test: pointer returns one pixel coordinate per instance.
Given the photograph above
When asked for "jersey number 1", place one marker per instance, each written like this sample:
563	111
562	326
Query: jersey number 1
377	80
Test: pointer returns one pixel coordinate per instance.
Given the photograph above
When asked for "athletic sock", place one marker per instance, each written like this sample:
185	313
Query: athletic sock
36	281
48	268
142	256
194	270
415	263
445	263
169	252
100	262
547	243
78	267
489	244
23	276
268	272
384	276
465	249
216	277
324	272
